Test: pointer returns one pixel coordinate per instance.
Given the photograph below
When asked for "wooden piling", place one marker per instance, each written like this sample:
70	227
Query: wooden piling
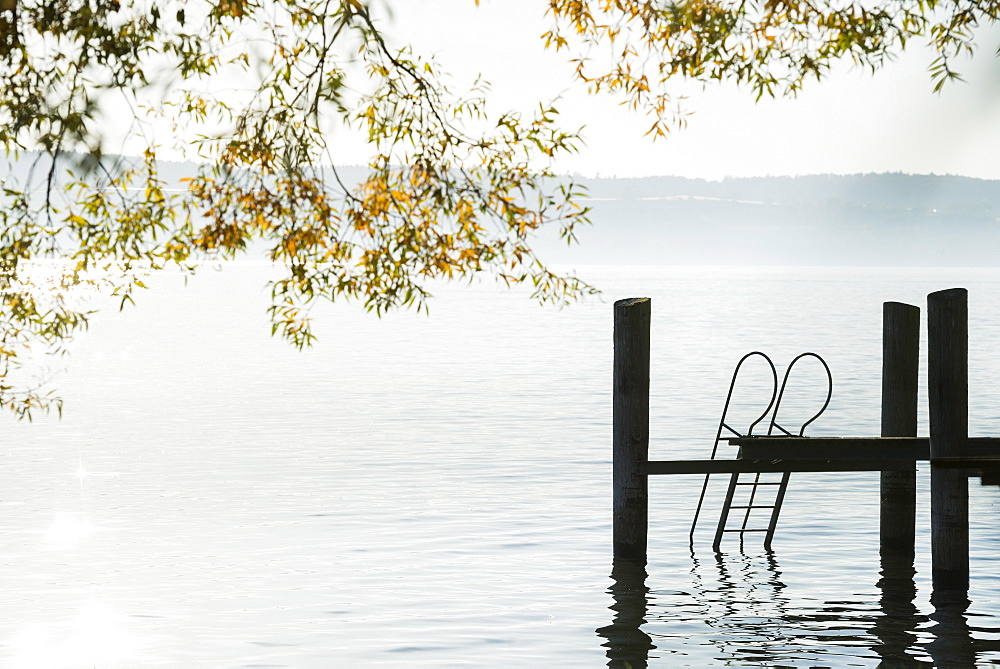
631	428
948	400
900	373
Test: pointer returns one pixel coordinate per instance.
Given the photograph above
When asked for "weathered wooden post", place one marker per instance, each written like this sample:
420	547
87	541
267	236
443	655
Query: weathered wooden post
898	495
948	400
631	428
900	373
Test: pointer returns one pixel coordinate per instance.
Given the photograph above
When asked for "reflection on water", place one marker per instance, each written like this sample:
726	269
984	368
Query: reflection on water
751	619
627	644
952	645
895	627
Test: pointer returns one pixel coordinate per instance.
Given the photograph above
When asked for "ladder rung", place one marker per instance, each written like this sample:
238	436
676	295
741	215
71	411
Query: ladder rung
761	483
755	506
764	530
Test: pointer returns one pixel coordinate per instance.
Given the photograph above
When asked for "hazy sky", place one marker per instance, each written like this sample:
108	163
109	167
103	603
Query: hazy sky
853	122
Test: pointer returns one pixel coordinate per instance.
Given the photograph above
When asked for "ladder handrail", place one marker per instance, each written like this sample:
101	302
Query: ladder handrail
781	393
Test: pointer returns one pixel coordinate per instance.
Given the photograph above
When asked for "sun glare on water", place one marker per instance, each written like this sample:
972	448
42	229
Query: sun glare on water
66	531
96	636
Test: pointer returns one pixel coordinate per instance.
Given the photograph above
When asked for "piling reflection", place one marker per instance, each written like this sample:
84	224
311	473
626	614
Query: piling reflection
952	645
627	645
896	625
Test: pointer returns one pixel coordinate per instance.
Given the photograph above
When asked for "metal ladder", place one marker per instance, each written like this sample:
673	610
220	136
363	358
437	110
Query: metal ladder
754	502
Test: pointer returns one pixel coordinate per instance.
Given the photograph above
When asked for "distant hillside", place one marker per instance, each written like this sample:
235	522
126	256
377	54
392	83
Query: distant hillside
895	190
864	219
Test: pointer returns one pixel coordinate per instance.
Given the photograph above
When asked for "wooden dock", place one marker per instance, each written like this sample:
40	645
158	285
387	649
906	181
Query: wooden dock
953	456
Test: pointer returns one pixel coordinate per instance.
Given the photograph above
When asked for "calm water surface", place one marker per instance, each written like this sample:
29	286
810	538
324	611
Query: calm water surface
436	490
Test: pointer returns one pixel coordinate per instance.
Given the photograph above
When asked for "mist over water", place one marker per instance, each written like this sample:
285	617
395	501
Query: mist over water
436	490
861	220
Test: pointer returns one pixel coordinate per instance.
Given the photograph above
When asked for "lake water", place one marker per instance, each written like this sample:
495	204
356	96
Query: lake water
436	490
